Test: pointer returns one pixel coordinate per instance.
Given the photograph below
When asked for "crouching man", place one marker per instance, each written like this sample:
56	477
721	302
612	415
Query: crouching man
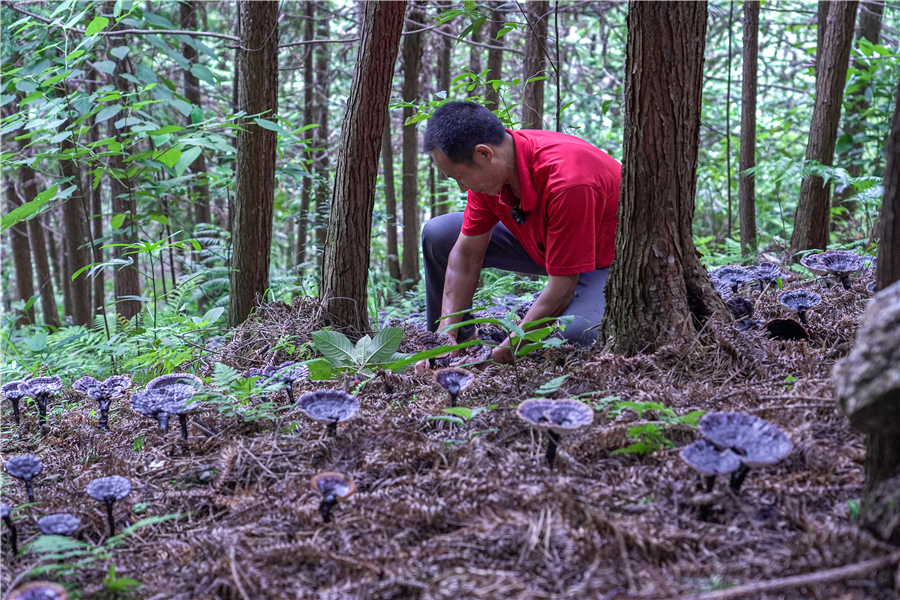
539	202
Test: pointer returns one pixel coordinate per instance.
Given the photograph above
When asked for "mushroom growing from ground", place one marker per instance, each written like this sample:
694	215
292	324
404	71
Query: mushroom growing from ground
14	391
333	487
328	407
288	374
721	287
704	457
766	273
41	388
841	263
39	590
756	442
556	417
25	467
162	402
742	311
164	381
59	524
811	262
108	490
786	329
428	340
454	380
799	301
180	404
5	514
733	276
104	392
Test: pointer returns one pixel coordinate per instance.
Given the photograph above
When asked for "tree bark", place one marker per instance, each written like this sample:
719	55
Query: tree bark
811	223
21	251
535	61
199	185
96	223
444	78
475	58
78	253
747	183
50	312
308	118
350	225
412	62
254	199
658	293
495	57
390	199
889	249
323	192
824	6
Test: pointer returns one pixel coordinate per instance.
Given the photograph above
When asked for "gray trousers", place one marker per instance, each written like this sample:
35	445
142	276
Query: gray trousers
505	252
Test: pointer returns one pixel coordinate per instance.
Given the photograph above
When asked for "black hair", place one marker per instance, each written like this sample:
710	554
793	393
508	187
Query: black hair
458	126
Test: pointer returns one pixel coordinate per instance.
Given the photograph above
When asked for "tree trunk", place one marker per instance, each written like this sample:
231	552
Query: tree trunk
308	118
39	247
412	62
495	57
747	183
535	61
390	198
21	251
323	192
824	6
199	185
64	275
254	198
96	193
444	78
350	225
658	293
811	223
475	58
78	252
889	249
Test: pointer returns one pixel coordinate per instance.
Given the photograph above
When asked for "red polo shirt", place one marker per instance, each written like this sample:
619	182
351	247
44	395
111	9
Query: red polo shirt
570	193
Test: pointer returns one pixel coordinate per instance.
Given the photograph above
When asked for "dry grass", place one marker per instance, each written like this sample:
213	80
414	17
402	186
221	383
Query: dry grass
486	519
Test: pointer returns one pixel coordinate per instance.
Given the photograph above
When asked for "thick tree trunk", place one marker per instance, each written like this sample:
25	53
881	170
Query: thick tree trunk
824	6
412	62
350	226
811	222
254	199
39	248
21	251
390	198
495	56
535	61
303	219
78	253
199	185
323	191
658	293
747	183
889	248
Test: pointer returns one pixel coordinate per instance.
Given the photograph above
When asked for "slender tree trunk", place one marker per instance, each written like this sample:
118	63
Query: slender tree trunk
199	185
323	191
658	293
444	78
63	272
495	56
21	251
308	118
254	199
390	198
96	223
39	247
747	183
75	225
475	57
889	248
811	223
537	12
350	226
824	6
412	62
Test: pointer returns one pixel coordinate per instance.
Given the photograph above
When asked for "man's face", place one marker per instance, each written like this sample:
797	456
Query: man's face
482	176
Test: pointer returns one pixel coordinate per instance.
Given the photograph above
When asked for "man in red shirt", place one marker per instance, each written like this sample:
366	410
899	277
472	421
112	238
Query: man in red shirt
539	202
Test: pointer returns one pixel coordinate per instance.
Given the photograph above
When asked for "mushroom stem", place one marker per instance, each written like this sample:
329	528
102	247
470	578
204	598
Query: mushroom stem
163	420
13	538
109	516
551	447
29	490
331	429
710	482
290	391
103	423
737	478
325	507
42	410
15	405
453	400
845	281
182	420
802	315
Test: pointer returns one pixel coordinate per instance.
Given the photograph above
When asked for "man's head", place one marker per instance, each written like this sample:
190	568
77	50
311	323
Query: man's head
469	144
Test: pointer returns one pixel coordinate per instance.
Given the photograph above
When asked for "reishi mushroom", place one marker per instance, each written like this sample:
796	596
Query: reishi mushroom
160	403
721	287
742	311
841	263
710	461
108	490
811	262
556	417
14	391
25	467
39	590
290	373
104	392
786	329
328	407
799	301
766	273
332	487
59	524
164	381
5	514
454	380
41	389
734	276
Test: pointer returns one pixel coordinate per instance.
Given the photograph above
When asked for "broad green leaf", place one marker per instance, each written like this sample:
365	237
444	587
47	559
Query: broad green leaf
319	369
120	52
414	358
96	26
29	209
117	220
552	386
37	342
181	106
203	73
169	157
362	349
188	157
460	411
31	98
107	112
335	347
213	314
105	66
271	126
145	73
385	344
60	137
166	129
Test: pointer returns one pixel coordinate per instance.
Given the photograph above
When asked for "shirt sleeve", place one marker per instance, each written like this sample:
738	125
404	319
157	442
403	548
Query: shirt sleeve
572	230
478	217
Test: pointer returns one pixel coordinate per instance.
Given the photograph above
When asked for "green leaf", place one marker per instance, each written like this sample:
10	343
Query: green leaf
29	209
31	98
414	358
105	66
188	157
37	342
385	344
552	386
60	137
319	369
203	73
117	220
165	129
271	126
169	157
213	314
449	419
362	349
145	73
460	411
335	347
120	52
96	26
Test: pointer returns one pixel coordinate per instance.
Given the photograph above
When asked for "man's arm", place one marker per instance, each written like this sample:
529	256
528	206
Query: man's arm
463	270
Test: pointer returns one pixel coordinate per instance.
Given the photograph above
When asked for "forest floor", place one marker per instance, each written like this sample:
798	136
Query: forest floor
487	518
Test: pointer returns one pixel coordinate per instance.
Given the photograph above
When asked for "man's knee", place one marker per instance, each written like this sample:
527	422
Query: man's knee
580	332
442	232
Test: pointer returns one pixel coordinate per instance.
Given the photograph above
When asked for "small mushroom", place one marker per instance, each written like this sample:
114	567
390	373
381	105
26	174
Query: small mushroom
104	392
180	404
333	487
742	311
454	380
164	381
59	524
14	391
786	329
799	301
41	389
766	273
328	407
756	442
723	288
108	490
811	262
5	514
556	417
428	340
25	467
290	373
734	276
39	590
841	263
162	402
704	457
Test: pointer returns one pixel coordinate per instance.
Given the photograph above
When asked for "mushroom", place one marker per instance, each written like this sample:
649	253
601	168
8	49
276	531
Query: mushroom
454	380
704	457
723	288
39	590
766	273
742	311
333	487
5	514
811	262
59	524
841	263
799	301
786	329
41	388
164	381
556	417
14	391
104	393
108	490
733	276
162	402
870	288
25	467
757	442
290	373
180	404
328	407
428	340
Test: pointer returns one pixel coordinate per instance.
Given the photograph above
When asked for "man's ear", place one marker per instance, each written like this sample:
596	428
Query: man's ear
483	152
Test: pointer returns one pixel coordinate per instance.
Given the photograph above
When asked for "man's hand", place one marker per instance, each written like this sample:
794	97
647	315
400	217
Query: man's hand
502	354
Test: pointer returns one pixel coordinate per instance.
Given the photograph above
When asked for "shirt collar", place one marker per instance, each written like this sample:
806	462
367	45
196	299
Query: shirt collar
524	155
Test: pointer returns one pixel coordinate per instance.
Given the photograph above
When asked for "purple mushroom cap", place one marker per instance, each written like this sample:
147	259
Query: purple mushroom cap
59	524
25	467
14	390
703	456
328	406
733	275
164	381
562	417
109	489
756	441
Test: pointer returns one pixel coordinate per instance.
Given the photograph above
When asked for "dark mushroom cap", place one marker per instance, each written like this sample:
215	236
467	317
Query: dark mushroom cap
88	386
723	288
336	484
733	275
148	404
43	386
453	379
111	389
703	456
755	440
24	467
14	390
840	262
428	340
4	510
39	590
172	399
811	262
177	400
59	524
786	329
291	372
741	308
164	381
799	300
766	272
328	406
109	489
562	417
